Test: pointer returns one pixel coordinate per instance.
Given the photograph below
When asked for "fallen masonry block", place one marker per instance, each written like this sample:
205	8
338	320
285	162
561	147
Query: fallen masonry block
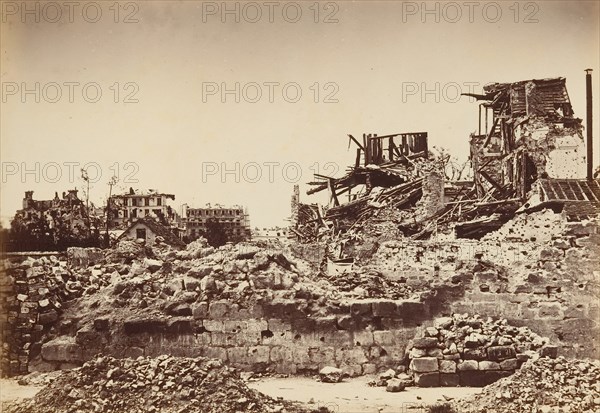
330	375
424	364
394	386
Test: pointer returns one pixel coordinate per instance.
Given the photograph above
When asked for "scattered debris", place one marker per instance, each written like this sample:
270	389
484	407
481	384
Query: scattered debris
161	384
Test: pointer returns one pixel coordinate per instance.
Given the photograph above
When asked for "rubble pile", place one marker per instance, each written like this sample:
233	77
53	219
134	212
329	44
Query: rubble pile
125	251
542	385
162	384
371	284
468	350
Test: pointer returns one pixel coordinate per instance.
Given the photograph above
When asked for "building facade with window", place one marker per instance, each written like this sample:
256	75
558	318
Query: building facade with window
235	221
128	208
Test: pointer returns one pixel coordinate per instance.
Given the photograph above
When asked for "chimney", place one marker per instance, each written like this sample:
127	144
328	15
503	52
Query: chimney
590	142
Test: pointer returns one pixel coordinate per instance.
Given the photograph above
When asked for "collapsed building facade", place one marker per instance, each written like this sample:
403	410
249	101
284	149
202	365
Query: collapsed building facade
528	154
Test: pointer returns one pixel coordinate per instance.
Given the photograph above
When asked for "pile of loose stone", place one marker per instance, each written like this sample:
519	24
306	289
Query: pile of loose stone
371	284
543	385
467	350
163	384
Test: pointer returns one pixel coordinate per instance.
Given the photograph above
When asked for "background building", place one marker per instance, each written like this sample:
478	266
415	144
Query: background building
234	219
128	208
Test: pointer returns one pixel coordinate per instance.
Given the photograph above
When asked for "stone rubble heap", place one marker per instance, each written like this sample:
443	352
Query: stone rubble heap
469	351
542	385
371	284
163	384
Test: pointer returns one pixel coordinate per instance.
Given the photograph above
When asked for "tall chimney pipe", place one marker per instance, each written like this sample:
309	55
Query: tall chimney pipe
590	142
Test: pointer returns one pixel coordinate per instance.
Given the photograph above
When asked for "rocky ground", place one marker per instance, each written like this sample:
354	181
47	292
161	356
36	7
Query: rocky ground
544	385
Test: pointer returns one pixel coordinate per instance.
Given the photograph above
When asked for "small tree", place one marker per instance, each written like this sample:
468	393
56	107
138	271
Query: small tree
215	234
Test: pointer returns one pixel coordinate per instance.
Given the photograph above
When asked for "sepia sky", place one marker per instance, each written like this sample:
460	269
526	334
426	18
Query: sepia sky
160	120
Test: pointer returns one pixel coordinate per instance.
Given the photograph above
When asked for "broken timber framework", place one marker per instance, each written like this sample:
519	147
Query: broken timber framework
530	155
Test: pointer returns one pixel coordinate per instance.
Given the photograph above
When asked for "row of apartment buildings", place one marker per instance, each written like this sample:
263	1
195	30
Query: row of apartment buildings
124	210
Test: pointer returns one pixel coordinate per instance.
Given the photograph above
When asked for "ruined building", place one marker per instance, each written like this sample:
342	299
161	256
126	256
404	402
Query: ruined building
528	154
53	224
128	208
532	148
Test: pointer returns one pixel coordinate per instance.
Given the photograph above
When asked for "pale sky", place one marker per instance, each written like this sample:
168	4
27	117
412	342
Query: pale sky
374	62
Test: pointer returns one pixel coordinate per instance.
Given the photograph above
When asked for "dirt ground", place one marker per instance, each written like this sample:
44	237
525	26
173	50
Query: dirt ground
11	390
355	396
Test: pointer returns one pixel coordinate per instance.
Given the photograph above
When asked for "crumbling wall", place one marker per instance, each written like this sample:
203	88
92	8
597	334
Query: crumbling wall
361	337
550	286
556	150
31	301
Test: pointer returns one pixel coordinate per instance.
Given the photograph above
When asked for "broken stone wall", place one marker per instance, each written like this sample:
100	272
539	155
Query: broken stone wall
364	336
550	287
30	301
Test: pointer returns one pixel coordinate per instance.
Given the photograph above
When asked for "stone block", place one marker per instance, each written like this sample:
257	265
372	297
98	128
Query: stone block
549	351
237	355
200	310
218	309
412	312
384	308
467	365
363	338
383	337
488	365
213	325
361	309
427	379
48	317
425	342
216	352
447	366
303	325
325	324
275	325
258	354
509	364
449	380
499	353
474	354
62	349
424	364
281	354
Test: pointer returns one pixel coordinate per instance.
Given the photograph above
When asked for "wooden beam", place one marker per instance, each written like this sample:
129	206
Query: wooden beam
491	180
356	142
